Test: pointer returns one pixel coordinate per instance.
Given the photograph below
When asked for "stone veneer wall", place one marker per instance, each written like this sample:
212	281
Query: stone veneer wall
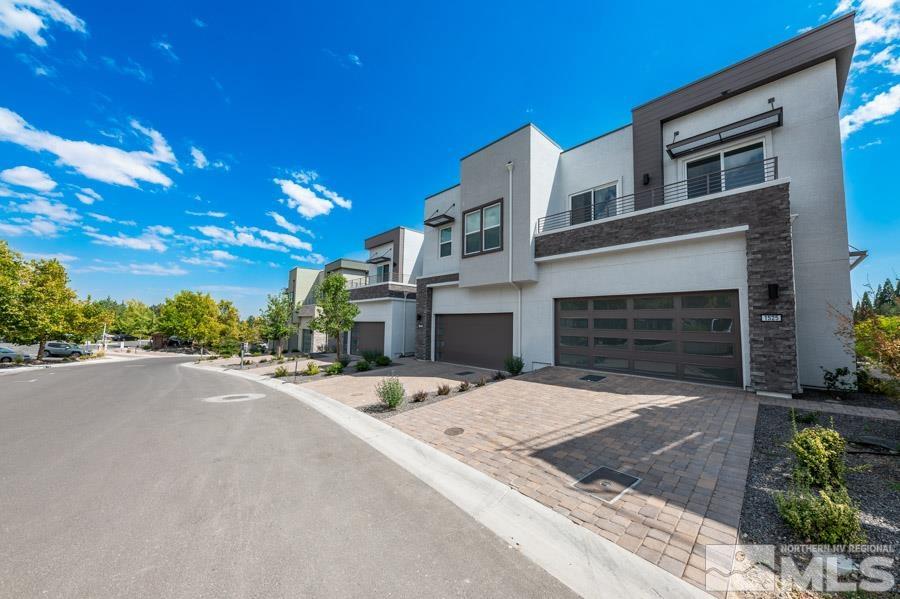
766	211
423	312
382	290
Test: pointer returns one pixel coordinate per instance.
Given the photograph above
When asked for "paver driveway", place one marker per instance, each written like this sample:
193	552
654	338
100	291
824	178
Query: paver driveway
690	444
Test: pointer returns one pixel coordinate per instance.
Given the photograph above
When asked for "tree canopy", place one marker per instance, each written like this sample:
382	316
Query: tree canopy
334	312
275	319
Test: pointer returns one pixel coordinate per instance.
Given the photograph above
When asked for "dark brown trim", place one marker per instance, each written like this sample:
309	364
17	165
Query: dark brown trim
462	246
833	40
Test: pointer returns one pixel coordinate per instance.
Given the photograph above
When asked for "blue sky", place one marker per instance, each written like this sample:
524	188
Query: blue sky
150	145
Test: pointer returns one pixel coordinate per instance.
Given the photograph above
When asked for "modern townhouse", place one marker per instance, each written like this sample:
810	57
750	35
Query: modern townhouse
301	289
704	241
386	296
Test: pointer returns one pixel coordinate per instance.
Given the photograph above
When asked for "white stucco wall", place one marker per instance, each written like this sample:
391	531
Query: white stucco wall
411	267
432	263
808	147
697	265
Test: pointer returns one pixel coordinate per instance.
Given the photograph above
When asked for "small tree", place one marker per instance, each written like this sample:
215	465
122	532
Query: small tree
87	319
193	316
335	313
135	319
276	319
12	274
47	303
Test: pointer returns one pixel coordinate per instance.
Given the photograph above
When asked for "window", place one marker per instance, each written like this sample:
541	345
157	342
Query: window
653	303
599	202
610	304
382	273
653	324
446	241
573	323
611	323
573	341
483	229
726	170
570	305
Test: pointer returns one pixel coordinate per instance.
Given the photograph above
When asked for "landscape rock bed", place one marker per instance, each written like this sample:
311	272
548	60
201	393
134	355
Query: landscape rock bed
876	490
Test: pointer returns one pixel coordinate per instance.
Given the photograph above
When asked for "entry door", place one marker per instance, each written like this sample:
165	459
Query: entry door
691	336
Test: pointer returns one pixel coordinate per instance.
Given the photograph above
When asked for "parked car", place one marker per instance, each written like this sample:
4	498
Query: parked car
124	337
60	349
9	355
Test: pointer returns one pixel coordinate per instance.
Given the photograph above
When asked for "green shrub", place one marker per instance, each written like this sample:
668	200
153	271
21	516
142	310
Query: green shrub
363	365
828	517
18	359
867	383
345	361
281	371
420	396
499	376
443	389
819	454
481	382
335	368
370	355
390	391
514	365
463	386
312	369
383	361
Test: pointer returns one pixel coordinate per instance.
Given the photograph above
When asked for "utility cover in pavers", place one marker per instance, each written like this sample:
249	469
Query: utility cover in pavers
606	484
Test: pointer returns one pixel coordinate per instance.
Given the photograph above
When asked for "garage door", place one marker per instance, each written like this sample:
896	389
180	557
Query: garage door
483	340
691	336
367	336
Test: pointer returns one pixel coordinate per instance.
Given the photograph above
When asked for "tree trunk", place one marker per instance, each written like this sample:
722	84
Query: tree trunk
41	344
279	347
337	351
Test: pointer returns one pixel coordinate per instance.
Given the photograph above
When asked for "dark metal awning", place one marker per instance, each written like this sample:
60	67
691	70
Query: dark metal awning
380	259
743	128
439	220
857	256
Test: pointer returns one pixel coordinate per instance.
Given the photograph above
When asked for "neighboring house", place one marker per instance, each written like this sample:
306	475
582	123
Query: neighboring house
705	241
302	283
386	297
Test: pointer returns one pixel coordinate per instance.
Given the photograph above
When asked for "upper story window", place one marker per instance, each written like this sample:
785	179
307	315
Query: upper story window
446	242
726	169
483	229
592	204
383	273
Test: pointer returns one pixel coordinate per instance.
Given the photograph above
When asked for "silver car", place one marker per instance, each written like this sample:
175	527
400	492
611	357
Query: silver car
60	349
8	355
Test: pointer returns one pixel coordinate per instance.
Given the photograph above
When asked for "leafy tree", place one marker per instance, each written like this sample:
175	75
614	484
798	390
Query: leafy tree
47	303
250	330
87	319
335	313
275	319
193	316
885	302
12	272
864	308
135	319
230	320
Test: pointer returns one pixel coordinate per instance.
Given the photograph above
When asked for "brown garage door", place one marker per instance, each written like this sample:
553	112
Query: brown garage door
367	336
483	340
692	336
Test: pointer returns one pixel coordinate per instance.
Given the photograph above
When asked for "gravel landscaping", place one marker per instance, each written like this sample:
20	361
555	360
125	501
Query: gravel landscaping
382	412
851	398
876	490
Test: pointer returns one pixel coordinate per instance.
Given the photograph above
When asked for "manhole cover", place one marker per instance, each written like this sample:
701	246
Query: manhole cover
464	373
593	378
234	397
454	431
607	484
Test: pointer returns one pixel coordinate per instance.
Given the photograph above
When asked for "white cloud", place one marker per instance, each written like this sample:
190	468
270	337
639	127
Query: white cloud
880	107
288	225
31	17
306	196
101	217
37	226
88	196
57	212
166	48
198	22
354	59
131	68
150	239
64	258
199	157
200	261
241	236
209	213
26	176
151	269
95	161
285	239
311	258
222	255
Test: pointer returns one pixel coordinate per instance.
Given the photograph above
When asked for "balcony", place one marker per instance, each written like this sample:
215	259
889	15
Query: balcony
688	189
368	281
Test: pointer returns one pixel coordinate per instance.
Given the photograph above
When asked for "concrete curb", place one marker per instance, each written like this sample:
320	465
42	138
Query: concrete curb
585	562
104	360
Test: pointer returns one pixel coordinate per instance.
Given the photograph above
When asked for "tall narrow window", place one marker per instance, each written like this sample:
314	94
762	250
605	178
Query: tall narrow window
599	202
446	242
581	208
383	273
483	229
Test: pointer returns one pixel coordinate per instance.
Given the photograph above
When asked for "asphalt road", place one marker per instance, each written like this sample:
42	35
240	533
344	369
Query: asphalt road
117	480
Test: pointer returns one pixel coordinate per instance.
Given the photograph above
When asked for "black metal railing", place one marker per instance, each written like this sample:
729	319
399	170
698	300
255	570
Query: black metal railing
695	187
394	277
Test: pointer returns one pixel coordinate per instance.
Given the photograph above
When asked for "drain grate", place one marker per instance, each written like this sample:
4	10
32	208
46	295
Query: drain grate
606	484
454	431
593	378
464	373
